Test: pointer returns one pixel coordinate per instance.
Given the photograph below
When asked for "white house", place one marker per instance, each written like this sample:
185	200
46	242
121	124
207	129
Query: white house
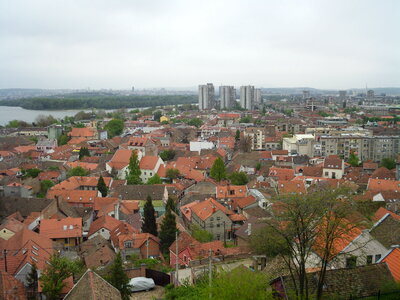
149	166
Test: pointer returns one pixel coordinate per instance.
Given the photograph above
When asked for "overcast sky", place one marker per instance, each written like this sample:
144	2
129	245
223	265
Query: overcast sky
170	43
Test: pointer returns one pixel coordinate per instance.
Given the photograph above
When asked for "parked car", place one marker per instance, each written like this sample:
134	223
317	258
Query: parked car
141	284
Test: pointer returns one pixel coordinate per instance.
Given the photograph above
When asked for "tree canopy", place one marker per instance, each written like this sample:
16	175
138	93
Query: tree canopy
389	163
155	179
114	127
118	277
218	170
167	154
102	187
149	218
83	152
238	178
77	171
354	161
133	176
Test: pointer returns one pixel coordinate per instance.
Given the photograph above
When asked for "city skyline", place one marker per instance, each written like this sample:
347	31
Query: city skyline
73	44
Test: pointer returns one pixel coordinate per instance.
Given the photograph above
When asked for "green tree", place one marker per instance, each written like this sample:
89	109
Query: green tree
77	171
133	176
114	127
218	170
32	282
388	163
101	187
354	161
201	235
167	231
118	277
149	218
63	140
237	135
167	154
155	179
52	279
157	115
314	222
258	166
34	172
238	178
172	173
45	185
83	152
246	119
170	204
195	122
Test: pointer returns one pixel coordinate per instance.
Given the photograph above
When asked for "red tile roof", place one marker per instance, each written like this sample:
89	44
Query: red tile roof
148	162
82	132
208	207
11	288
291	187
281	173
383	185
64	228
120	159
85	165
393	262
105	222
383	173
333	162
381	212
231	191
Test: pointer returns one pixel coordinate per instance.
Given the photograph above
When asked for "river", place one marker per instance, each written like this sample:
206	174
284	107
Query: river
9	113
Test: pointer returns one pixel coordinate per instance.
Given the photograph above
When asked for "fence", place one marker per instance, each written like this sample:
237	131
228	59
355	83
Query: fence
217	259
160	278
380	296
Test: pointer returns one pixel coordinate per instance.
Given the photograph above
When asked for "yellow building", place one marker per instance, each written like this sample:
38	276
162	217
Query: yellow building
165	118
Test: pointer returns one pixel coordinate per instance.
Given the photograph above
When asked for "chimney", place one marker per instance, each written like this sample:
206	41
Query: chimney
249	229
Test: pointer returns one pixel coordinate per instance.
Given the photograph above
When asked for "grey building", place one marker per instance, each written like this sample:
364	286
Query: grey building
206	96
227	96
257	97
247	96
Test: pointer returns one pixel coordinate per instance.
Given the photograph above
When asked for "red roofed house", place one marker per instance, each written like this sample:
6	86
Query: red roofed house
291	187
144	144
11	288
67	231
86	132
392	259
333	167
383	185
120	161
16	189
279	174
128	241
103	226
25	248
212	216
149	166
231	191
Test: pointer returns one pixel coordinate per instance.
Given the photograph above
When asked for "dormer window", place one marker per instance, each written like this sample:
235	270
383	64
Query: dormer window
128	244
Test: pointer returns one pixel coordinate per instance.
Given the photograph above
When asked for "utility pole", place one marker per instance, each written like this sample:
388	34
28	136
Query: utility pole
210	272
224	235
147	245
176	258
5	260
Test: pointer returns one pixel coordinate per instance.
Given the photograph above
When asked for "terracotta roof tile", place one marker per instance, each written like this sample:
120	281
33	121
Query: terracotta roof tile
64	228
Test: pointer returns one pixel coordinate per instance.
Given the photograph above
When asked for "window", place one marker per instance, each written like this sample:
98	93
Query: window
218	225
326	173
377	257
218	218
128	244
211	219
351	262
369	259
218	237
184	258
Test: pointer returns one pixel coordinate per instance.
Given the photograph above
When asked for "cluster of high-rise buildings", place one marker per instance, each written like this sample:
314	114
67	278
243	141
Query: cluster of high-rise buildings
250	97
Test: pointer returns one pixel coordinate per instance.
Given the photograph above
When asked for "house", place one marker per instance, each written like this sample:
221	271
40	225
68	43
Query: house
16	189
103	226
250	226
119	163
45	145
67	231
76	197
279	174
392	259
333	167
11	288
157	192
86	132
212	216
143	144
382	185
93	287
343	283
383	173
291	187
97	252
27	248
230	191
149	166
82	183
9	227
125	239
